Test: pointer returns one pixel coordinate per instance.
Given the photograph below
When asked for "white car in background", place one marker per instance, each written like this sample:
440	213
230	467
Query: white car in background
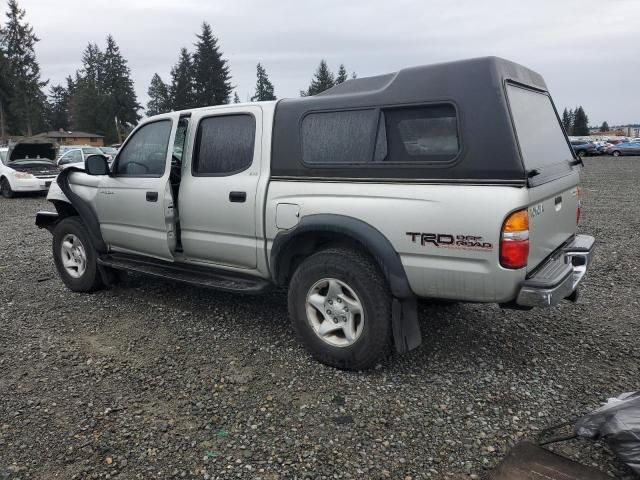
76	156
27	167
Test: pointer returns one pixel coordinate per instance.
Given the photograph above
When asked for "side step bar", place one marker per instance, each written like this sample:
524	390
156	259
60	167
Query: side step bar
192	275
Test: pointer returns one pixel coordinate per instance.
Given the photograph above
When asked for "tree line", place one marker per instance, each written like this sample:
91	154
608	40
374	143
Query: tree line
575	122
100	96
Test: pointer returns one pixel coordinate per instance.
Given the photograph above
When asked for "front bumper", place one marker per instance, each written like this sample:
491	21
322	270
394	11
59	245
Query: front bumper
559	276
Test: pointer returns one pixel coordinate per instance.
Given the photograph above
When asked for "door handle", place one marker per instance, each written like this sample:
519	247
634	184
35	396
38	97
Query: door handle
239	197
152	196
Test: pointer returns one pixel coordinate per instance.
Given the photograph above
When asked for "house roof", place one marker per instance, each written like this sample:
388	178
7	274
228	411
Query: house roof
68	134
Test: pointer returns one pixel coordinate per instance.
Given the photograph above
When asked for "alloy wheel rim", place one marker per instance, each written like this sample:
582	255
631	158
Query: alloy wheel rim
74	256
334	312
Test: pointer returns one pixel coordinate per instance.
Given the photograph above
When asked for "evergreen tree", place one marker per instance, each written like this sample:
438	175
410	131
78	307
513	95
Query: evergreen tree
58	108
26	106
322	80
102	98
6	92
182	92
580	123
116	85
572	121
342	75
566	121
264	87
236	98
604	127
212	80
158	96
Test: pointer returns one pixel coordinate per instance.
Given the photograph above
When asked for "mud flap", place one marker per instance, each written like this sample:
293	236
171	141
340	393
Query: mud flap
406	329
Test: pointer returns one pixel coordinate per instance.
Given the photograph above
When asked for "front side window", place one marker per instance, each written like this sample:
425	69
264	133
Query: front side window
145	154
342	137
3	157
224	145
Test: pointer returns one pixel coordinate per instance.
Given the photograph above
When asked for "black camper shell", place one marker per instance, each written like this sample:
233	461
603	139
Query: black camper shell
353	130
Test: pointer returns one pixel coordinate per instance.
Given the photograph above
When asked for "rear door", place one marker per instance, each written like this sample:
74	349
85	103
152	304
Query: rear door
547	157
217	197
135	204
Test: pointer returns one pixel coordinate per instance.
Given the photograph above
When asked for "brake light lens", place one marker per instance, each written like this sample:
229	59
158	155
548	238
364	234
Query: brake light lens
579	209
514	240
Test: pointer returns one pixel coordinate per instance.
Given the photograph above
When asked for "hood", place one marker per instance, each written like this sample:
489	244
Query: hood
32	148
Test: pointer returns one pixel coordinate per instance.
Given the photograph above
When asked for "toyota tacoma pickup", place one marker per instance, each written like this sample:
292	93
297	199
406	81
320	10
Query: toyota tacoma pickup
450	181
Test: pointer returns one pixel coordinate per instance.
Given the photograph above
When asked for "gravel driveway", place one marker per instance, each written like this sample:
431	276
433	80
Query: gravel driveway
156	380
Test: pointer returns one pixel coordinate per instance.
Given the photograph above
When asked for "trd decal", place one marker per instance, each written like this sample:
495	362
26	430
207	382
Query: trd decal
448	240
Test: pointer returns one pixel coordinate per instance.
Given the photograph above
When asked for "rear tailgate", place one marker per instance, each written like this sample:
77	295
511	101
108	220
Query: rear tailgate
552	216
553	181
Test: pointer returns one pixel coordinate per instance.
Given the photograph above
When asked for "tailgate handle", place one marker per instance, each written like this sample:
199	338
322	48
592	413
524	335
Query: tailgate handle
558	200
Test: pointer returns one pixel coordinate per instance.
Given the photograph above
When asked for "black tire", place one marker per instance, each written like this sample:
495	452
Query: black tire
90	280
582	153
362	275
616	153
5	188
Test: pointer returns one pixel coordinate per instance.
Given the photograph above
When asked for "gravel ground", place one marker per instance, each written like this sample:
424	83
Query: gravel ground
156	380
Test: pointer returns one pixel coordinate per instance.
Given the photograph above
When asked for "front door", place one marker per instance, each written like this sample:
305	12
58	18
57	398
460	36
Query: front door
218	192
135	205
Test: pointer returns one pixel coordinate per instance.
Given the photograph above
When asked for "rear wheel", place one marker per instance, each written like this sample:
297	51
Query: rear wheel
582	153
616	153
74	256
5	189
340	306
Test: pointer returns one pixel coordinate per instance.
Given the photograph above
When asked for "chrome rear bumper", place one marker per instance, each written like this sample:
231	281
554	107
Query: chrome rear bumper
559	276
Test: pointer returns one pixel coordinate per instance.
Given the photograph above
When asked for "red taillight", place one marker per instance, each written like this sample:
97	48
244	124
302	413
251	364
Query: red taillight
514	240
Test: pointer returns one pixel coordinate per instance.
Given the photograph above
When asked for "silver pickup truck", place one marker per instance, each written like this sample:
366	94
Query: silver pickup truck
450	181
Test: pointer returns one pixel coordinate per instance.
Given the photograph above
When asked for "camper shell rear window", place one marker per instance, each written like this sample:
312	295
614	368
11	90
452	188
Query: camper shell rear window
545	150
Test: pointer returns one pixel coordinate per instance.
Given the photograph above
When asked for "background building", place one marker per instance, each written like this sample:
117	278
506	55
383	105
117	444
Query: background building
65	137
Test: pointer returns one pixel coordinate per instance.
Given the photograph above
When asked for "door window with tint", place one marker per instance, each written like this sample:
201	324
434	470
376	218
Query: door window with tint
224	145
145	154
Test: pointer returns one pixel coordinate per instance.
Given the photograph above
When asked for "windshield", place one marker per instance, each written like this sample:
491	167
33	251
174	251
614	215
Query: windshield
108	150
540	135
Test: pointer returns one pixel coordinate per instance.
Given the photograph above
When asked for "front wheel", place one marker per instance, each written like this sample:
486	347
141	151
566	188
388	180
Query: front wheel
582	153
75	257
340	306
616	153
5	189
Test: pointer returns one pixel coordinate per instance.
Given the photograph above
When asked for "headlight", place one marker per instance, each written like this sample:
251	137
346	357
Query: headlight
23	175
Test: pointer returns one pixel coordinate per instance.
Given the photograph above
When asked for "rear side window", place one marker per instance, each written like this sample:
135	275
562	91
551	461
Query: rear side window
540	135
224	145
338	137
425	134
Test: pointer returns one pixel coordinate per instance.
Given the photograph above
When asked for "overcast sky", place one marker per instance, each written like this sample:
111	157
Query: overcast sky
587	50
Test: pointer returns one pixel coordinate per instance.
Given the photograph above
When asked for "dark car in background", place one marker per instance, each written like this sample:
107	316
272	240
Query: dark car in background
623	149
583	148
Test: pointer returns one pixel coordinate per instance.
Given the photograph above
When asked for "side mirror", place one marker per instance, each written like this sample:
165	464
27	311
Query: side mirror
96	165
